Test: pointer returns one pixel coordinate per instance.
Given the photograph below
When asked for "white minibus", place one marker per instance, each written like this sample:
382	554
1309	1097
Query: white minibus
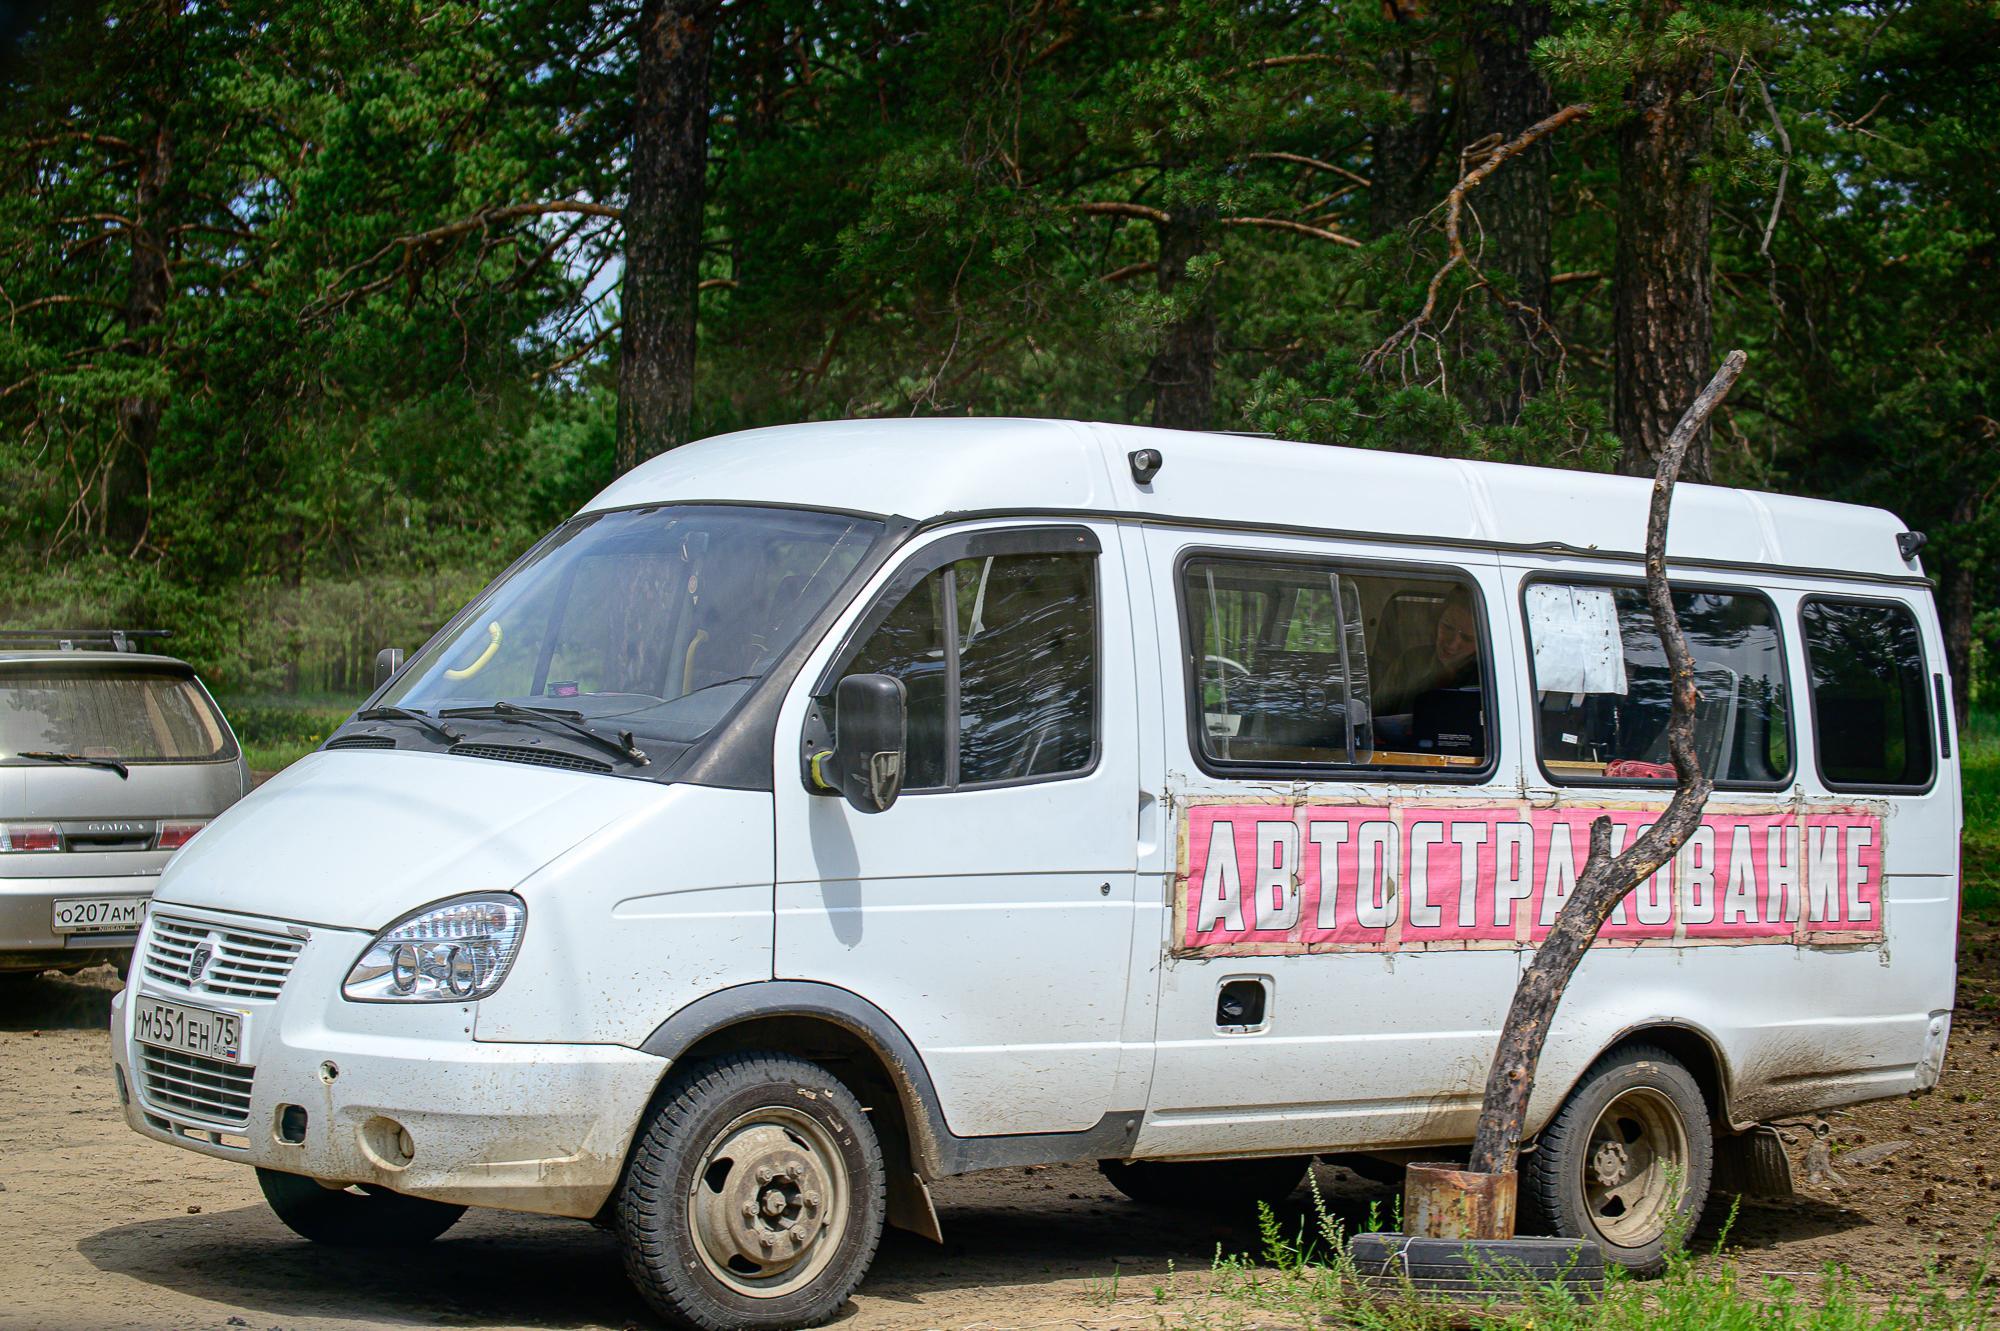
828	809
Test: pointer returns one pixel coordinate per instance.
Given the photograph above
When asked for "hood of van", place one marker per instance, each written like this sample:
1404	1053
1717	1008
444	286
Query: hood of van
355	839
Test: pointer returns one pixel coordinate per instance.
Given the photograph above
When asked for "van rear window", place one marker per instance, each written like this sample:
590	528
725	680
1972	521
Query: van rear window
1871	719
1311	663
132	715
1602	693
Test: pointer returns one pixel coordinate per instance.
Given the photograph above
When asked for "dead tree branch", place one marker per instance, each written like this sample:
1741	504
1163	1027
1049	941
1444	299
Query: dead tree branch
1607	878
1300	159
1457	255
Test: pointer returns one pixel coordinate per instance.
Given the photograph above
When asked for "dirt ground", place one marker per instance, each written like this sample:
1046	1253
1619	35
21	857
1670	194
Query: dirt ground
100	1228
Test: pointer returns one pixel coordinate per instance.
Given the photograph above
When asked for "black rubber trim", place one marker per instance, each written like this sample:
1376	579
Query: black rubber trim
1557	549
939	1151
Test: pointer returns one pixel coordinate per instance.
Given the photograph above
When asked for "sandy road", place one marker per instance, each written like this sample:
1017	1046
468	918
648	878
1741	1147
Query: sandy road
100	1228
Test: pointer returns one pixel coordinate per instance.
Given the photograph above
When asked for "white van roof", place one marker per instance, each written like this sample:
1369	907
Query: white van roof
930	468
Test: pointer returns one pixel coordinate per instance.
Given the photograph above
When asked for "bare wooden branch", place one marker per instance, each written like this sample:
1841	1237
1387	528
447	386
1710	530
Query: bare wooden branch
1113	208
1285	224
1300	159
1130	270
1279	62
1607	878
1580	275
1458	256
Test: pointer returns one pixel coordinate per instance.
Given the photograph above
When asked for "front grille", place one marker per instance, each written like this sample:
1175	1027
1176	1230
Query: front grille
240	963
361	742
513	753
202	1088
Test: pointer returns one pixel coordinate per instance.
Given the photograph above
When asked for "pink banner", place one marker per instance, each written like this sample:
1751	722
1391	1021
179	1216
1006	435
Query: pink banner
1278	876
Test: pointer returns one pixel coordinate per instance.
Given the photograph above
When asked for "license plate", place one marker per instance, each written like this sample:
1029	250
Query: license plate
99	915
189	1030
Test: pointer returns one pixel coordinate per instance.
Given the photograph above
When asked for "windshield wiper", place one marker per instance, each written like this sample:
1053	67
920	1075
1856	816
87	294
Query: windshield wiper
430	723
81	760
573	722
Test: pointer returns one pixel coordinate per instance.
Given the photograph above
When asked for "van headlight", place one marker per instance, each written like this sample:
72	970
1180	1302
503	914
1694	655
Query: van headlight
451	952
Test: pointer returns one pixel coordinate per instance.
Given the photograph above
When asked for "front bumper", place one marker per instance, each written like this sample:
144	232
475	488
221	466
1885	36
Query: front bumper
395	1095
28	939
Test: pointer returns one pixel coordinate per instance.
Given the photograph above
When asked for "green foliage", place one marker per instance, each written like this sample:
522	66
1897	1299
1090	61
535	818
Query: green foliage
1979	770
373	371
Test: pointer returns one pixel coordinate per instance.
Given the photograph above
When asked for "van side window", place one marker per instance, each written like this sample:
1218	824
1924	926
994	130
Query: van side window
1008	645
1602	695
1871	721
1312	663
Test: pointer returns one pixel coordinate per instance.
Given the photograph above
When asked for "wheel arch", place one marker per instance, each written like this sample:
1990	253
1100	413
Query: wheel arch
850	1035
1697	1049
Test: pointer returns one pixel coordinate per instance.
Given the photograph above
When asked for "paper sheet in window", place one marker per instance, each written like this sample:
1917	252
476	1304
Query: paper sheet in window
1578	648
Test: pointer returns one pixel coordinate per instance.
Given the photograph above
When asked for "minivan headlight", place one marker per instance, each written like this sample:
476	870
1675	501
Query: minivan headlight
450	952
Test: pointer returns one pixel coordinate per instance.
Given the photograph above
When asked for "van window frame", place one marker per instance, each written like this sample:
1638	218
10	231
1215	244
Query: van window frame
1674	585
1226	769
928	559
1924	664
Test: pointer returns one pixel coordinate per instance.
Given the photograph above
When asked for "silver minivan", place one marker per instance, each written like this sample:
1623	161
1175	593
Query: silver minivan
111	759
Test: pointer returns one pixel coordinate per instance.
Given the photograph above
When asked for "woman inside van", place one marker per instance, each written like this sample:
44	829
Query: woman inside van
1430	696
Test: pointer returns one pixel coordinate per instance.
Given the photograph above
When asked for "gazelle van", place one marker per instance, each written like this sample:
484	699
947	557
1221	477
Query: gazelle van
826	810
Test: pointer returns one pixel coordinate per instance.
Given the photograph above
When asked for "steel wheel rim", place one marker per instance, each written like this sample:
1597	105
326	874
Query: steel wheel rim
767	1206
1635	1167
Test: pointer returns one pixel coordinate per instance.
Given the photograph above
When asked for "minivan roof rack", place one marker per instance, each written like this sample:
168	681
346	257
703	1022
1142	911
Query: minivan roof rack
80	640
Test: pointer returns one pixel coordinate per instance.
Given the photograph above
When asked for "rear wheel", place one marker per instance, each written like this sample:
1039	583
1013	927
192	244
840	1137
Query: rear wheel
1626	1159
755	1196
356	1217
1210	1185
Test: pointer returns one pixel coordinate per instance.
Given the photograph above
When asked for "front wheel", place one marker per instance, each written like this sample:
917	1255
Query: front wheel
755	1196
356	1217
1626	1160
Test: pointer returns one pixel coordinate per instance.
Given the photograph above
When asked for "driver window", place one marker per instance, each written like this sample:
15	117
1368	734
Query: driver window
1008	644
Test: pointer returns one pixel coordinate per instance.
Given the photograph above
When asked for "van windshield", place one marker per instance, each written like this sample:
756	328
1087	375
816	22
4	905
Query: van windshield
129	714
653	620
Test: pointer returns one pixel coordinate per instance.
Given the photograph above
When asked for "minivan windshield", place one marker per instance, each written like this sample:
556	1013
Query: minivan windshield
653	620
130	714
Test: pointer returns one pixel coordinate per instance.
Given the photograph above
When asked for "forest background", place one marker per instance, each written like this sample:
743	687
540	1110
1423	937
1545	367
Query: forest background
317	312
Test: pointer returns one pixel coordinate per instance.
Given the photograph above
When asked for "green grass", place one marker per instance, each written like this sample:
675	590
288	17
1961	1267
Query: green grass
1979	768
276	731
1308	1280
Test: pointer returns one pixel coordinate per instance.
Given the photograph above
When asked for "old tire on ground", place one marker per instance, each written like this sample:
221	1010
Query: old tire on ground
1208	1185
354	1217
755	1195
1627	1158
1472	1269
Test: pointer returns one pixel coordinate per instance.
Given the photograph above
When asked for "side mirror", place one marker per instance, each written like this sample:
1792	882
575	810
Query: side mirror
871	735
387	662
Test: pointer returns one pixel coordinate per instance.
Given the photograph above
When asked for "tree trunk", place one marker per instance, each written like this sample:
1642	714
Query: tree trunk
1662	296
1406	146
150	282
1606	878
663	227
1183	372
1508	95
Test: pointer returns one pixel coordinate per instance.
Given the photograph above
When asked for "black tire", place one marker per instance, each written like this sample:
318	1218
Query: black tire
808	1150
1391	1264
1208	1185
354	1217
1601	1167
